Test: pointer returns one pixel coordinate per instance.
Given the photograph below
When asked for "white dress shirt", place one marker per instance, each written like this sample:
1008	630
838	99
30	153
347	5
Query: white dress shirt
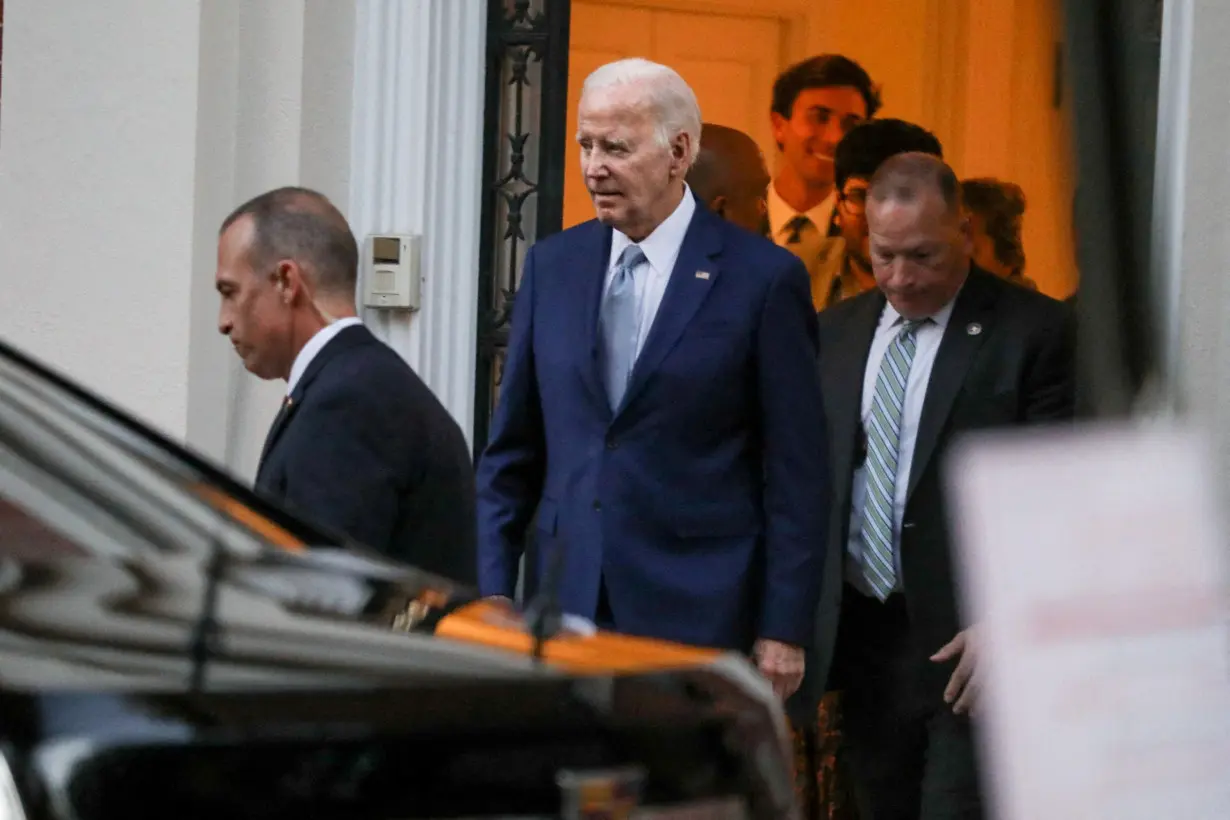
926	344
661	249
316	344
781	213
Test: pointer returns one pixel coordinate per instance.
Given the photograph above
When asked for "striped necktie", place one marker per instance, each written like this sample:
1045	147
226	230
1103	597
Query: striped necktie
621	325
883	439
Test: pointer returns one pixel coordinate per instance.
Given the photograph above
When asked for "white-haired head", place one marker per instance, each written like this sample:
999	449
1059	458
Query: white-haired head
670	98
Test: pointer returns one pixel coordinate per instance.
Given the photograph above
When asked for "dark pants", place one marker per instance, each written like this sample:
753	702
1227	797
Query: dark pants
604	618
910	757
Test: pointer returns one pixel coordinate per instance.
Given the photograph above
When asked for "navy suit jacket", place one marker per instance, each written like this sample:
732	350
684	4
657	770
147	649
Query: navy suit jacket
701	502
366	449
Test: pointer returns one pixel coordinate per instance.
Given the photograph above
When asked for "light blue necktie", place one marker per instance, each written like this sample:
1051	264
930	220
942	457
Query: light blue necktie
620	325
883	440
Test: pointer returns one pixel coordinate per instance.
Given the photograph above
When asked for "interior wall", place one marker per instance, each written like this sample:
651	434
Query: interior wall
981	74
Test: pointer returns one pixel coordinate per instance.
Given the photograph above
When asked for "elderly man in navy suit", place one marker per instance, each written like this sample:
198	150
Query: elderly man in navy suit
661	405
361	444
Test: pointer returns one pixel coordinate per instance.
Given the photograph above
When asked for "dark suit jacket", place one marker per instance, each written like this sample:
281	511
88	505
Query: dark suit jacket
1006	359
366	449
696	502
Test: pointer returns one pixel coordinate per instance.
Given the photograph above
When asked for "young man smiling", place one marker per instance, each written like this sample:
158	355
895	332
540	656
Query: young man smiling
815	104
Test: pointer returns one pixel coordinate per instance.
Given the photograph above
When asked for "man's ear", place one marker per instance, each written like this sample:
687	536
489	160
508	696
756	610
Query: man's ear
289	279
966	229
681	148
780	124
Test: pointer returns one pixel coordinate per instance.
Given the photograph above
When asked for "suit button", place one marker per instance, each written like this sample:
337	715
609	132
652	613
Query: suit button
597	505
612	444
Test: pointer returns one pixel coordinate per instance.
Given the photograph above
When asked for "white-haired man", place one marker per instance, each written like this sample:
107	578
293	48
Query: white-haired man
661	405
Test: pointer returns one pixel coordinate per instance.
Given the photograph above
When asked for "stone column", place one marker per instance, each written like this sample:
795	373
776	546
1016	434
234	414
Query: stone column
416	166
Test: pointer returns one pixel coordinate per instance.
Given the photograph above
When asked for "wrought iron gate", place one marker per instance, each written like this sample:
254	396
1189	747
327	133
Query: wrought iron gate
523	168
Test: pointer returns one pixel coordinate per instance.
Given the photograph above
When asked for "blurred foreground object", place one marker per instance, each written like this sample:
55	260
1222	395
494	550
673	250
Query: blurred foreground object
1094	560
173	644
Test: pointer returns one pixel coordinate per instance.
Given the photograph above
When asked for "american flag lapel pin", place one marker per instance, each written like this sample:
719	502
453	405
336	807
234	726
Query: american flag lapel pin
702	274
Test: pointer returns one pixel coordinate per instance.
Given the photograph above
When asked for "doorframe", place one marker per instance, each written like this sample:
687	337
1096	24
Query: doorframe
797	15
525	117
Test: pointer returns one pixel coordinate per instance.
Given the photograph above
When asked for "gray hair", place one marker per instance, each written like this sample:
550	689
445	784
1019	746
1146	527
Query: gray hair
674	105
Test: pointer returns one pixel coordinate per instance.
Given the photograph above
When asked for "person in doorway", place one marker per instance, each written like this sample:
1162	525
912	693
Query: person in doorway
856	159
361	445
995	210
815	104
659	403
822	783
906	369
730	178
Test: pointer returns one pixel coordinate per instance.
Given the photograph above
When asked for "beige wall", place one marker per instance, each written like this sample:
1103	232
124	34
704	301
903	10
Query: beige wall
979	73
121	152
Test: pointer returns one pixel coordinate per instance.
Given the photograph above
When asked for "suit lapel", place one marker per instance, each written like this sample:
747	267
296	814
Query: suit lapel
843	382
348	338
967	326
275	430
592	261
685	290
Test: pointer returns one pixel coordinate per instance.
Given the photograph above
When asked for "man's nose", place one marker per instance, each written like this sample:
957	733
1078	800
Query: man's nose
224	325
899	273
833	132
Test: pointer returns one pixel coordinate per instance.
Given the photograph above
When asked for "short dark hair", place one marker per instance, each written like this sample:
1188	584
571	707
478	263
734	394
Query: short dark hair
902	177
823	71
303	225
869	143
1002	207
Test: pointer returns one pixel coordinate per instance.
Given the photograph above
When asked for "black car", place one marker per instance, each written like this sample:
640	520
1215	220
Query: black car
172	645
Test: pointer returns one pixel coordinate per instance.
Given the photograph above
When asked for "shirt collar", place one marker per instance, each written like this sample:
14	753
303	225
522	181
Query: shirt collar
780	213
939	318
662	246
316	344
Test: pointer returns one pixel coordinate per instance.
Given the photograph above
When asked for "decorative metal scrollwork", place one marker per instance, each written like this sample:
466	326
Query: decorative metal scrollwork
526	115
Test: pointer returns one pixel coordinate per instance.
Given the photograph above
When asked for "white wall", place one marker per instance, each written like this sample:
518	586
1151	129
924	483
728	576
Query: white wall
130	129
1192	206
97	194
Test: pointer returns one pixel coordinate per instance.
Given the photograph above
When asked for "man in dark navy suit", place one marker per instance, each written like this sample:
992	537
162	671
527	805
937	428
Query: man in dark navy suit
361	444
660	401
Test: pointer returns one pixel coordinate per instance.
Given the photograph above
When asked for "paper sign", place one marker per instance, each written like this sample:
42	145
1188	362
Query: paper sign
1095	560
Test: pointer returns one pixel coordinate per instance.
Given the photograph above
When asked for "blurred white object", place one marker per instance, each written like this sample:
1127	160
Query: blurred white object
1096	561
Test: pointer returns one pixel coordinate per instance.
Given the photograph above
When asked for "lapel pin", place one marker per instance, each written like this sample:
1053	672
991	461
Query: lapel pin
702	274
973	328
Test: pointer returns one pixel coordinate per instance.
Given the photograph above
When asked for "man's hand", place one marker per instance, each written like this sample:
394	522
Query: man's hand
965	685
781	663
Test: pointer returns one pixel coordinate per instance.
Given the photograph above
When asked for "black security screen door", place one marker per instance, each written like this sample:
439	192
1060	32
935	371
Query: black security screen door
523	168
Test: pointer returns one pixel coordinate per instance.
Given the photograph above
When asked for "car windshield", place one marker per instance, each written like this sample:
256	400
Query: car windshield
99	479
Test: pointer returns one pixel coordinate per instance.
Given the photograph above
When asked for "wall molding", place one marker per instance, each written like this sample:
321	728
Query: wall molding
416	162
